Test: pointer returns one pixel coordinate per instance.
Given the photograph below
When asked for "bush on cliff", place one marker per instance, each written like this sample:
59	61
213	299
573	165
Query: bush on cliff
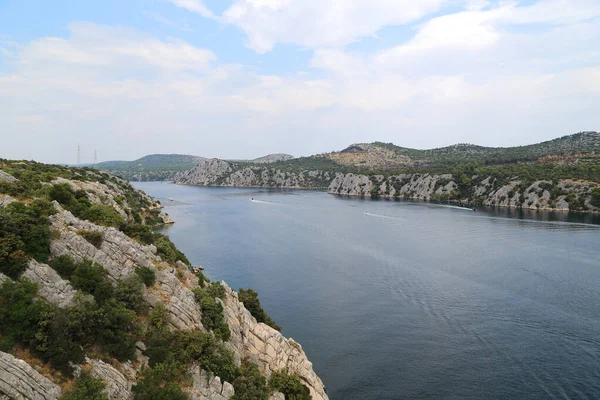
19	313
250	299
93	237
147	275
24	234
212	310
250	384
178	349
167	250
290	385
79	204
158	383
86	388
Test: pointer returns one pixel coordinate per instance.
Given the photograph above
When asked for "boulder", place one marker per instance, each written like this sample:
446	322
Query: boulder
208	387
51	287
18	380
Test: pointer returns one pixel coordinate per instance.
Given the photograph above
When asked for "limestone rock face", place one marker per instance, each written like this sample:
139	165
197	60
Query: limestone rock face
484	189
98	193
277	396
119	254
118	387
3	278
51	287
18	380
6	200
7	177
206	173
206	387
179	301
266	347
216	172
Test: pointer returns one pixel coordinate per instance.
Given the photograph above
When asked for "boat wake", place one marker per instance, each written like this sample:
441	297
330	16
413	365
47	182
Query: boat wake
262	202
456	207
382	216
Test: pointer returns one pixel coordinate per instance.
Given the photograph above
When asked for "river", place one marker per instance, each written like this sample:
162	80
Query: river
397	299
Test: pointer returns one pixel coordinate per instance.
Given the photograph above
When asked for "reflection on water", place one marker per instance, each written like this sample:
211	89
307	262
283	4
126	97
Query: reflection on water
399	299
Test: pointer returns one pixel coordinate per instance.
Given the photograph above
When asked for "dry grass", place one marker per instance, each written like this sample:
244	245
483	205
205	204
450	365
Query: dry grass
44	369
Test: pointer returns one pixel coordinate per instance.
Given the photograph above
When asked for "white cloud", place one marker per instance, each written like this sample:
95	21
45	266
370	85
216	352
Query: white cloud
316	23
470	76
196	6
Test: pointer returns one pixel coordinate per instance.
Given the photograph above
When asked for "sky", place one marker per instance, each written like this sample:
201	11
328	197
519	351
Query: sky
244	78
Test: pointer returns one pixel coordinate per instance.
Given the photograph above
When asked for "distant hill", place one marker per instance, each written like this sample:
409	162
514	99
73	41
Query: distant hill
268	159
385	156
151	167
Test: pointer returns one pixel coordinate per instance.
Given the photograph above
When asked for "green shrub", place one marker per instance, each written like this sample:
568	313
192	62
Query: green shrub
167	250
212	310
157	384
290	385
93	237
91	278
111	327
138	231
86	388
177	349
250	384
63	193
20	313
64	265
147	275
24	234
103	215
250	299
129	292
54	343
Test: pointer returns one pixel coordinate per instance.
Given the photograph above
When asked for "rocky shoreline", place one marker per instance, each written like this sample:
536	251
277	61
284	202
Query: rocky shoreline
121	256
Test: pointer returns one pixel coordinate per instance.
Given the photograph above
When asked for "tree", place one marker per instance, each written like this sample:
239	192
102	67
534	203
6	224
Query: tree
86	388
250	299
250	384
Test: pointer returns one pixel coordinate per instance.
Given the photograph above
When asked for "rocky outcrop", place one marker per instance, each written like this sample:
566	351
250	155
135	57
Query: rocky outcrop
51	287
118	253
6	200
118	387
113	194
266	347
216	172
540	195
7	177
18	380
207	173
98	193
277	396
3	278
207	387
178	299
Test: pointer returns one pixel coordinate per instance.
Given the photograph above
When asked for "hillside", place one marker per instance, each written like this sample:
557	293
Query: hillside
384	156
567	168
154	167
96	305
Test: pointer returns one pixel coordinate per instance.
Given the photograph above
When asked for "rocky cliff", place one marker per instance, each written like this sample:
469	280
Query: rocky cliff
173	289
561	195
215	172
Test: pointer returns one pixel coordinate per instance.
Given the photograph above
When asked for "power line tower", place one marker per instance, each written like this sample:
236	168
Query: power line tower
78	155
95	159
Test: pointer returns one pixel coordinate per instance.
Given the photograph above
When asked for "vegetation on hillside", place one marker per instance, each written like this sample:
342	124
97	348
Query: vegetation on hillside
154	167
105	319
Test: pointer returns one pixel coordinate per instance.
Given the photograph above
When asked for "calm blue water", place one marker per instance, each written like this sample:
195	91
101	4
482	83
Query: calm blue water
411	300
